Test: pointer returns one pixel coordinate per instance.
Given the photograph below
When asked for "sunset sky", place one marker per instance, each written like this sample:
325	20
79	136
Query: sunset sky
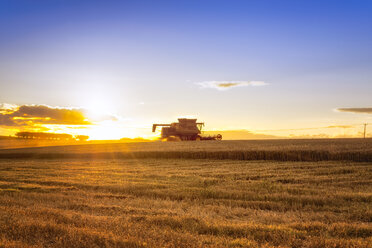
109	69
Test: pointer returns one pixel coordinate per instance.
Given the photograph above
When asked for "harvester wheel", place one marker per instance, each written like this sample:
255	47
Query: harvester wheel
219	137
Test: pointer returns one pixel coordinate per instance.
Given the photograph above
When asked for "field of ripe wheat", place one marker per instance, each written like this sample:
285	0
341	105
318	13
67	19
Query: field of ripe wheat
184	203
359	150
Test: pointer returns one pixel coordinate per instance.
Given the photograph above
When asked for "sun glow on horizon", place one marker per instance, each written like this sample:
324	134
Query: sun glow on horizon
99	122
105	130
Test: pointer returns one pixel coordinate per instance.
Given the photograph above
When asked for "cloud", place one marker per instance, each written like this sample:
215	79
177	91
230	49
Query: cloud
225	85
6	108
30	115
356	110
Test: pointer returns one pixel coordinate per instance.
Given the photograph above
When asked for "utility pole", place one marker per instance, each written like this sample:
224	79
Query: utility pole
365	129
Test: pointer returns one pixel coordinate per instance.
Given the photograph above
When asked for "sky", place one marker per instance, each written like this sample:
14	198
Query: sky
109	69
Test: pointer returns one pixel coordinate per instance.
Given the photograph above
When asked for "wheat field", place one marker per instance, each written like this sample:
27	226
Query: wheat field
148	202
359	150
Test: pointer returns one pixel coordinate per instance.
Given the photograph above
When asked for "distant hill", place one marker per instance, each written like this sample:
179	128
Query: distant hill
241	135
134	140
6	138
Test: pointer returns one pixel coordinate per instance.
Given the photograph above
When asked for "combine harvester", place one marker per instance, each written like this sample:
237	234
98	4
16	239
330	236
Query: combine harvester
184	129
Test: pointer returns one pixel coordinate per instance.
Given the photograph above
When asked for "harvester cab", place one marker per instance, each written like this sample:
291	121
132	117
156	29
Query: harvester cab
184	129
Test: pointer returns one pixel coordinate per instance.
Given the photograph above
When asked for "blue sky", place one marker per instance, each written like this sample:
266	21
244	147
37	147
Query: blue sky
142	60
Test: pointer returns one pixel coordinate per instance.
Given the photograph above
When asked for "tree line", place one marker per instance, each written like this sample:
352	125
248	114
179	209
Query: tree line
50	136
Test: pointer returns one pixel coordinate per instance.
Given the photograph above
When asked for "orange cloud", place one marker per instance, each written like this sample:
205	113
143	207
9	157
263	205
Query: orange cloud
30	115
43	118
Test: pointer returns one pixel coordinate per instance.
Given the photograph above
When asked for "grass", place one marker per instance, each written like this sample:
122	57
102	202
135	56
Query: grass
184	203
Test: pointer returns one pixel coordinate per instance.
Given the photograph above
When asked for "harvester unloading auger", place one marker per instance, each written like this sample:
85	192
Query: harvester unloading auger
184	129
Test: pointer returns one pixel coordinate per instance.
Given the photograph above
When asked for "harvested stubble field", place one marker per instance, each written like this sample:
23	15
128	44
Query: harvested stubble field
147	202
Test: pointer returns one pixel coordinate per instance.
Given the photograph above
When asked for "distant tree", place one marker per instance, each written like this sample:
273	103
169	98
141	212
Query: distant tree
23	135
44	136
